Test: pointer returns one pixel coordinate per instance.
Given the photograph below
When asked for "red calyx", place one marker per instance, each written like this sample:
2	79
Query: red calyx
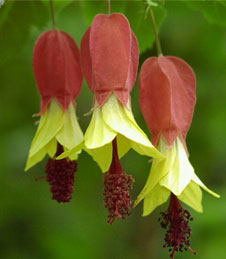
109	57
116	189
57	69
167	97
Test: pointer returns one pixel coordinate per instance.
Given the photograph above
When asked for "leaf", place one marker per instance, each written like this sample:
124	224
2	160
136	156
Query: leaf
214	11
15	28
141	24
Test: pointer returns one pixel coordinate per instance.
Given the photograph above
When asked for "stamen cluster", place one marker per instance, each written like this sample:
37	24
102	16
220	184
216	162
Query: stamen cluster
61	176
117	185
176	221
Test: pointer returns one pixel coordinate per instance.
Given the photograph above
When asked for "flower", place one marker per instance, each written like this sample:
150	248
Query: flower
167	98
59	78
109	60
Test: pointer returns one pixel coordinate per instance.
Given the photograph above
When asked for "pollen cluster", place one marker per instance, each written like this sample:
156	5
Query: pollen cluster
61	176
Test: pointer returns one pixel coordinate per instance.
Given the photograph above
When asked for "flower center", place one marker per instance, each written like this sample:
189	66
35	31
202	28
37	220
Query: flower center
116	189
61	176
176	221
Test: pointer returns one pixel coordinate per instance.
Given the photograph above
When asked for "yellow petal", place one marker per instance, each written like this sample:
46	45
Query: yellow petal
74	156
73	153
200	183
98	133
155	198
187	171
116	117
160	167
43	142
181	172
51	122
192	196
70	134
123	144
51	147
102	155
34	159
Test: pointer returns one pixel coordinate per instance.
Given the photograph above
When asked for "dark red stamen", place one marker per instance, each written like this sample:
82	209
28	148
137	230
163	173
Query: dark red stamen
176	221
116	189
61	176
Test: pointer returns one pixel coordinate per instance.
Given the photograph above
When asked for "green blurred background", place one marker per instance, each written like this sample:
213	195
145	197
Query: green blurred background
34	226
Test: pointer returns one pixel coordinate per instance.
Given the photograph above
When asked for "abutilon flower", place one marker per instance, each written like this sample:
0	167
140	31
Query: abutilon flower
59	79
167	97
109	61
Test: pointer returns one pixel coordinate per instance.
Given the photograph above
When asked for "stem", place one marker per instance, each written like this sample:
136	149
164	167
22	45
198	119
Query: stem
109	7
52	14
158	45
114	148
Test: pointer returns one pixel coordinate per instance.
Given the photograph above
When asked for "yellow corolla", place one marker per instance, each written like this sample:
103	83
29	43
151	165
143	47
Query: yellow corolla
174	174
114	120
56	126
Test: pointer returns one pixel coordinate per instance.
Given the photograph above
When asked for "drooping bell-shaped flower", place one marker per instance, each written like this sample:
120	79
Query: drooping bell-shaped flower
56	62
109	60
167	97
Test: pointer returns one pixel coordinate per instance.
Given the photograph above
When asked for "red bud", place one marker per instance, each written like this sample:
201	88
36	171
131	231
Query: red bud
167	97
57	68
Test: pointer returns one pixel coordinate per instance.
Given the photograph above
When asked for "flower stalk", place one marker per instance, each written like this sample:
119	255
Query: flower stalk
109	7
52	14
158	45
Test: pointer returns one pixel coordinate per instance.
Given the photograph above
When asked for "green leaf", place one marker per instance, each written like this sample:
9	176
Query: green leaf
15	27
214	10
140	21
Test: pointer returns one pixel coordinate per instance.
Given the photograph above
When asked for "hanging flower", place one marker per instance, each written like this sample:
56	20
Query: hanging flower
59	79
109	60
167	98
